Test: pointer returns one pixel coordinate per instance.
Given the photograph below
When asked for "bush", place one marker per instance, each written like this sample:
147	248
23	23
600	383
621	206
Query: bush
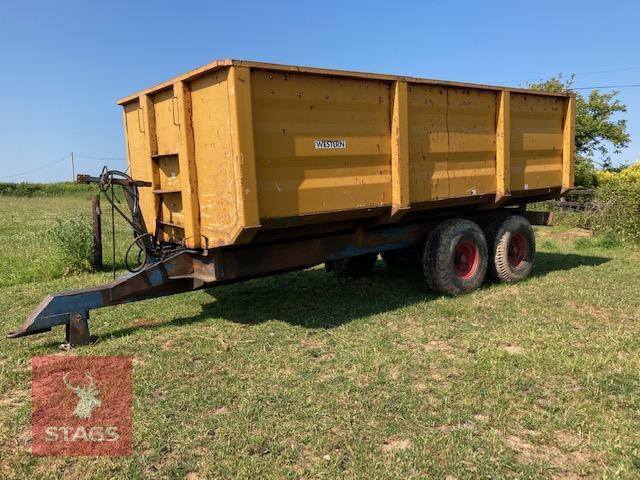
577	219
585	173
630	174
73	238
618	204
615	216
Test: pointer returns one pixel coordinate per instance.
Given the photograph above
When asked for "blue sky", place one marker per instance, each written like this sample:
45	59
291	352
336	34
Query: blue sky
65	63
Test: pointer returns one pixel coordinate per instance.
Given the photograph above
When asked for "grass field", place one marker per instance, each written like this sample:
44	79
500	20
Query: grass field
308	376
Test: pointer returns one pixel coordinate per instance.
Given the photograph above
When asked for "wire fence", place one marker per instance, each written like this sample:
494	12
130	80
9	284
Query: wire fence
93	162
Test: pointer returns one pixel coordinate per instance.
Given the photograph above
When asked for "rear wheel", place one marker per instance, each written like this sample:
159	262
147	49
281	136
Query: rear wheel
512	248
402	258
455	257
352	266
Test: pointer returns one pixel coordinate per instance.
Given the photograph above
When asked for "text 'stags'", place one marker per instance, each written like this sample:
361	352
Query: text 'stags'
81	406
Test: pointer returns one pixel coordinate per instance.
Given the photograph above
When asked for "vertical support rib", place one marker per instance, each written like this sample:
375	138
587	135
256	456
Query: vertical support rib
400	200
239	88
503	146
149	120
568	144
146	104
188	173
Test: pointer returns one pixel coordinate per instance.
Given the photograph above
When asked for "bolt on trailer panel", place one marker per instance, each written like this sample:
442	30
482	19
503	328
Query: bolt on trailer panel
234	146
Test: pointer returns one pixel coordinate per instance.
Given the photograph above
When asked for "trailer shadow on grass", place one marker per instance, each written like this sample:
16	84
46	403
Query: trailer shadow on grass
547	262
316	299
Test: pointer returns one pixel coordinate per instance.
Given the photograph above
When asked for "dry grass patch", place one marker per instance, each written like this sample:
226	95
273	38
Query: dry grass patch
448	428
563	235
393	445
566	464
514	349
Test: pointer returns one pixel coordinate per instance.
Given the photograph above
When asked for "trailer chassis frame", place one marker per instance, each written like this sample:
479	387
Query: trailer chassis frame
189	270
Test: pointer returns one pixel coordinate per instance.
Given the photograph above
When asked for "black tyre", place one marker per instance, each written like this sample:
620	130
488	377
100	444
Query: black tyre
353	266
512	248
409	257
455	257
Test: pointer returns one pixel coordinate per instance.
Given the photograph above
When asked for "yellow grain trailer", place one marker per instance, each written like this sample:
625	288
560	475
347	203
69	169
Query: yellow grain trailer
240	169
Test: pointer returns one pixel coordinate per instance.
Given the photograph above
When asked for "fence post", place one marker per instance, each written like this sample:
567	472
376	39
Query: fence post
97	231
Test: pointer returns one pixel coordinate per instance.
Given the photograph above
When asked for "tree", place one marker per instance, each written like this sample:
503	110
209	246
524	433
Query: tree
597	129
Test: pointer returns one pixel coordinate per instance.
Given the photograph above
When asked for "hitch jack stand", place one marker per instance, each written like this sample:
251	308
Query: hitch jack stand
77	330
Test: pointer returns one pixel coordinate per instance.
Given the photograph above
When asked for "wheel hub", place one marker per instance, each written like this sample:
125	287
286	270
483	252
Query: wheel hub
518	250
466	259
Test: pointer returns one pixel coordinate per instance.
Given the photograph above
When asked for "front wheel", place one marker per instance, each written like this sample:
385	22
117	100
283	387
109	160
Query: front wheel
512	248
455	257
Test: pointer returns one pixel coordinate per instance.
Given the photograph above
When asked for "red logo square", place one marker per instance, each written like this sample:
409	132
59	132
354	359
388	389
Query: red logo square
81	406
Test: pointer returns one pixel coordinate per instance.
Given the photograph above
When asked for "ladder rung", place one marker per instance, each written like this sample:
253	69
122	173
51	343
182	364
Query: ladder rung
167	190
169	224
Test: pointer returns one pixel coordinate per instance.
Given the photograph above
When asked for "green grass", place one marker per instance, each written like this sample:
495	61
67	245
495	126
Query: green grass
308	376
45	189
28	252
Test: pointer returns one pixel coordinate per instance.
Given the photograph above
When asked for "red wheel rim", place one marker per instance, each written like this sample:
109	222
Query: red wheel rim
466	259
518	250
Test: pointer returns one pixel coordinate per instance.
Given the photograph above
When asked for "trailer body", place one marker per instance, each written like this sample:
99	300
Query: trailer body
244	169
235	148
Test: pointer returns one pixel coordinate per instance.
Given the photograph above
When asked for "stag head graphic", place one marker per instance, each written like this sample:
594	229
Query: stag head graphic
87	396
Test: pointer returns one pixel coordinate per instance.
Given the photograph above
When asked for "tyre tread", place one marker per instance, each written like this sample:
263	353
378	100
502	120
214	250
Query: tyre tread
437	257
497	237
